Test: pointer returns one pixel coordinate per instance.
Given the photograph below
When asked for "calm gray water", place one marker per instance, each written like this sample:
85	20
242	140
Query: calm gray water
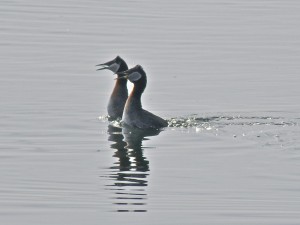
225	73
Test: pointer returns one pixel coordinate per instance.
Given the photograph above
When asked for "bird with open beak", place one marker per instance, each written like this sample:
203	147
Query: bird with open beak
119	94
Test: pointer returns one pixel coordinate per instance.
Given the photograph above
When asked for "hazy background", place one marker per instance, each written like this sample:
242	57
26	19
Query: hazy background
235	63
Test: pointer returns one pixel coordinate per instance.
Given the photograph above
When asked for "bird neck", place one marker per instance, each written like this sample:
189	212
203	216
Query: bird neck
123	67
120	89
121	83
137	92
135	97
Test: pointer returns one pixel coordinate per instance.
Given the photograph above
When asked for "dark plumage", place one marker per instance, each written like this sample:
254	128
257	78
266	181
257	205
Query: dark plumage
134	115
119	94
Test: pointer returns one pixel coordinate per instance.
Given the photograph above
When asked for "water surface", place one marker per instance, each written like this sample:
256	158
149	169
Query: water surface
224	73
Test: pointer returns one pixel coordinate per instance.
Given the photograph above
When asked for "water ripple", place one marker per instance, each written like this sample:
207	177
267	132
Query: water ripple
221	121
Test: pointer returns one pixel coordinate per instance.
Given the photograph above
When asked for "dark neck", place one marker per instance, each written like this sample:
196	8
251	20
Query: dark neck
137	92
135	99
122	82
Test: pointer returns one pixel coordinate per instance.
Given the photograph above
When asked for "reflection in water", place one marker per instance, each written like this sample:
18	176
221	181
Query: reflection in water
130	172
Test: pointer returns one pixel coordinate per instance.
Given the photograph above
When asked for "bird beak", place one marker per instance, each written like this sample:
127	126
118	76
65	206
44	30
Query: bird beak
106	65
103	66
123	77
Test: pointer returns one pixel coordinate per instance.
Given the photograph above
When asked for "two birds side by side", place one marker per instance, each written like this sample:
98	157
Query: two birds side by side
130	108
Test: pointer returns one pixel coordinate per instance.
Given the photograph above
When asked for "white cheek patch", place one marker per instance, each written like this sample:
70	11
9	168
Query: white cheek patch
114	67
134	76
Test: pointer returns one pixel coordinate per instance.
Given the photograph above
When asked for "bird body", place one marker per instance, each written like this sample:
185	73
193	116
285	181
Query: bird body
134	115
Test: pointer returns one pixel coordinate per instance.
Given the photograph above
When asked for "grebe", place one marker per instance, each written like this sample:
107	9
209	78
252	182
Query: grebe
119	94
134	115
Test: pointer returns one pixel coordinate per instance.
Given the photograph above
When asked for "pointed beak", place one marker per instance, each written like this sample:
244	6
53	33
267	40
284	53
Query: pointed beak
103	66
106	65
124	76
124	73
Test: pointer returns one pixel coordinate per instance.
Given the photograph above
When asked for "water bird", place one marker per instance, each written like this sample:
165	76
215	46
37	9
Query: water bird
134	115
119	94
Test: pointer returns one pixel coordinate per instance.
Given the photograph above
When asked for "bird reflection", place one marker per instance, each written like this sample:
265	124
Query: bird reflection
129	173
